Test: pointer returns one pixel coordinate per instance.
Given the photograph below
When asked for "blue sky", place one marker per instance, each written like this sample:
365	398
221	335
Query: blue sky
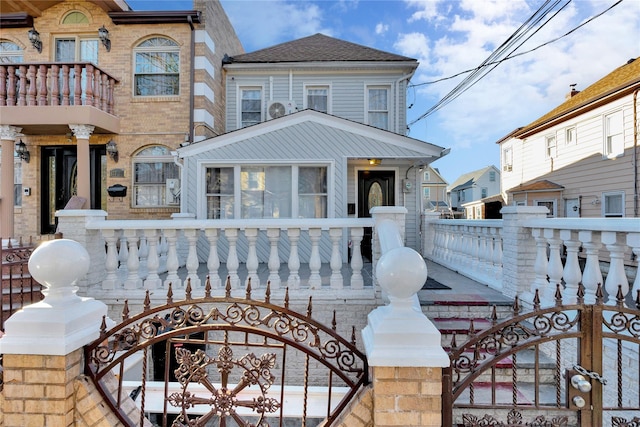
448	37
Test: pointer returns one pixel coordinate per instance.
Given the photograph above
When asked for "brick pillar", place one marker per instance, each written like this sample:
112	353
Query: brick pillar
519	250
42	345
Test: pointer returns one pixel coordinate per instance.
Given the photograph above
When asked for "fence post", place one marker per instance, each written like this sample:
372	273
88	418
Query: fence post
72	224
519	251
42	345
402	345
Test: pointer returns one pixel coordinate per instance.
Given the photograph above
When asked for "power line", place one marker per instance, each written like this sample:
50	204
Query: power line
526	31
521	53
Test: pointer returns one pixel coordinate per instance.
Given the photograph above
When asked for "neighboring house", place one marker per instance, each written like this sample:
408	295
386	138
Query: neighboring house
581	158
100	95
485	208
315	130
434	190
473	186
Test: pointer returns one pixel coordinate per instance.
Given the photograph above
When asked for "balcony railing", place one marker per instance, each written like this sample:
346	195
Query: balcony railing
56	84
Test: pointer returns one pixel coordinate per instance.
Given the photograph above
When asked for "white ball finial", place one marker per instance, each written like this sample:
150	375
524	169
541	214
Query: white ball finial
59	263
401	272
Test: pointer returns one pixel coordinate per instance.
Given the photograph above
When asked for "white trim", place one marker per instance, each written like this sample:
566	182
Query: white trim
248	86
203	89
604	203
307	85
202	63
201	36
390	103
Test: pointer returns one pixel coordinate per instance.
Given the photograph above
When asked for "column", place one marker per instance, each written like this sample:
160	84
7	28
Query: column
8	135
82	134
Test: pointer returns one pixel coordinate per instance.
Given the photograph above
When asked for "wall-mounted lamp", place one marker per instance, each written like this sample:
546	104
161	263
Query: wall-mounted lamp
34	38
103	33
23	153
375	162
112	150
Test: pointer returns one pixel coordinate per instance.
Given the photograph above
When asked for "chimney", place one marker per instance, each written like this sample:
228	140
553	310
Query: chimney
573	92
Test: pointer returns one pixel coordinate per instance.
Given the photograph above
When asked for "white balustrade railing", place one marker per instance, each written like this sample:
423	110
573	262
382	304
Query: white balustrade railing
139	252
584	244
470	247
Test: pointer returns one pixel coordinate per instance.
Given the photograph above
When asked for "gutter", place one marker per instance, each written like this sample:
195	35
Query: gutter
635	153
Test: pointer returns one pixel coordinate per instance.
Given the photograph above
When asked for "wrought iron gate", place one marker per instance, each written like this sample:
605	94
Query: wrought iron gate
567	365
225	361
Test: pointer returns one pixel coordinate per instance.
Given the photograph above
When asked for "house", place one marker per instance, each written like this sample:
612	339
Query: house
473	186
96	97
581	158
434	190
315	129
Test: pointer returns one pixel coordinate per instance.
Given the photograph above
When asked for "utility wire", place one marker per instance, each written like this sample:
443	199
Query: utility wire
526	31
522	53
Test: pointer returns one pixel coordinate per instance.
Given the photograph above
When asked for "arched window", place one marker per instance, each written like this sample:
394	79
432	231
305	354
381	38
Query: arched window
157	68
156	178
10	53
75	17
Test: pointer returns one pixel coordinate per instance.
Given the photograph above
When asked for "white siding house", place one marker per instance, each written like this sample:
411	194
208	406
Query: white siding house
580	159
473	186
315	129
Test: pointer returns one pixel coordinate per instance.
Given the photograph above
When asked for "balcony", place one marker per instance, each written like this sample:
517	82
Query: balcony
42	97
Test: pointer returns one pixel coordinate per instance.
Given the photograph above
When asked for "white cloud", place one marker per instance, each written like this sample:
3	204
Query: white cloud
381	28
414	45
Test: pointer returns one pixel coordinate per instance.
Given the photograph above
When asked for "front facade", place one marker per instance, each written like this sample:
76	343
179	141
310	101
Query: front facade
473	186
315	129
433	188
99	96
580	159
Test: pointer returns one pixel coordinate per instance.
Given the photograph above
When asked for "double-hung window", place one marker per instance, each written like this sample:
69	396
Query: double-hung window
550	145
613	134
220	192
318	98
507	159
155	178
250	106
378	106
157	68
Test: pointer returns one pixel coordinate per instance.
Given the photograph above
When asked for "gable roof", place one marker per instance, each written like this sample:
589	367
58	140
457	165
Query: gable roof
319	129
620	82
466	180
542	185
317	48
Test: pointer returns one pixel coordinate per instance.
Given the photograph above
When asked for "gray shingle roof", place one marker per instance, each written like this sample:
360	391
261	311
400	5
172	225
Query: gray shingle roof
317	48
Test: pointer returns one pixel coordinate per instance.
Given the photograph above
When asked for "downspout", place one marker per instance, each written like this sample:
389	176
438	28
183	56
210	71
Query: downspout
397	83
635	153
192	77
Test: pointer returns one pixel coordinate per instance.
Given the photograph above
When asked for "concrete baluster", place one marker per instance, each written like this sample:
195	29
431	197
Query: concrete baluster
111	280
123	256
173	263
571	273
592	275
152	281
252	257
273	234
633	240
541	264
336	281
315	281
133	280
232	258
294	259
554	268
357	281
213	261
192	257
497	256
143	255
616	276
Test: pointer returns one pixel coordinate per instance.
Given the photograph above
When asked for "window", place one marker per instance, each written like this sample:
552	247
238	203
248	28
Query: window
157	68
426	193
507	159
483	192
75	17
549	204
378	107
613	205
10	53
250	106
261	191
492	176
461	195
614	136
155	178
570	136
318	98
550	144
220	194
426	176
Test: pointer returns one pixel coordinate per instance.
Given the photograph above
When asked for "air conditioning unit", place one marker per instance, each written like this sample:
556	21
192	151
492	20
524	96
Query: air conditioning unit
276	109
172	195
507	168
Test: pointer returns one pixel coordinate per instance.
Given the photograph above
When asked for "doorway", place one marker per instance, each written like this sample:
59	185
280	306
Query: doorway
375	188
59	170
572	208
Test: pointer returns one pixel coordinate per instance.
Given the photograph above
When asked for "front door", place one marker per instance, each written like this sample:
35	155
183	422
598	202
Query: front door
375	188
59	181
572	207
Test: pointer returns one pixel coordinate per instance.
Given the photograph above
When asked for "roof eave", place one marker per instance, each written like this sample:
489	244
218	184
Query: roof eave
374	65
156	17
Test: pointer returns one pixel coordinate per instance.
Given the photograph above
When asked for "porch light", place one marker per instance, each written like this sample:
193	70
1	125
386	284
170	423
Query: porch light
112	150
34	38
103	33
375	162
23	153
